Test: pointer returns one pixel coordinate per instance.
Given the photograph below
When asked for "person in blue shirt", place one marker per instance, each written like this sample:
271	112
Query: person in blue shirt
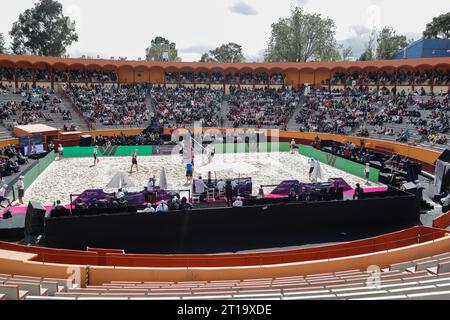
189	172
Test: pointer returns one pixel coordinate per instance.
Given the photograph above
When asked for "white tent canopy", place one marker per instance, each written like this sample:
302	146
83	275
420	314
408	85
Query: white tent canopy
120	180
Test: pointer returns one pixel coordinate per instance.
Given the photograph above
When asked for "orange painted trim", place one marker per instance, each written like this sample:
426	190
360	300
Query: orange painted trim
442	222
33	61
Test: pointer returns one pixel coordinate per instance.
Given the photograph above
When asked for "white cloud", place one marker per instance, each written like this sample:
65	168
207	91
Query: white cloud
243	8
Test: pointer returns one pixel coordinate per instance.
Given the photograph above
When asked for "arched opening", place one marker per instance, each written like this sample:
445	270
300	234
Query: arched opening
42	72
60	72
24	71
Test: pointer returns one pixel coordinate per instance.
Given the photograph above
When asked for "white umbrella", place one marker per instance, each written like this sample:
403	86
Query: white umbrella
120	180
163	179
317	173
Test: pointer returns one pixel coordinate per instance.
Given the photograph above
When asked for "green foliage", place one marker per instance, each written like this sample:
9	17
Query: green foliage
346	54
302	37
43	30
158	46
389	43
439	27
369	53
2	44
230	52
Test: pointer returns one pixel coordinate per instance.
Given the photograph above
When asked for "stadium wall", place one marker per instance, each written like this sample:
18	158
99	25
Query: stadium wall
154	71
15	261
120	151
246	148
339	163
227	229
35	172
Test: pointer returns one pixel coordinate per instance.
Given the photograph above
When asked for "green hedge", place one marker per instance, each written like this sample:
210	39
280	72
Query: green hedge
348	166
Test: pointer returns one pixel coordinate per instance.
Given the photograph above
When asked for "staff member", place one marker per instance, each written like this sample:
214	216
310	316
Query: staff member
367	172
229	193
292	146
21	189
96	160
60	151
3	195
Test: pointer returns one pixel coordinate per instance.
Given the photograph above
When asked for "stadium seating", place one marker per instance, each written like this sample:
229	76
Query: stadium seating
420	279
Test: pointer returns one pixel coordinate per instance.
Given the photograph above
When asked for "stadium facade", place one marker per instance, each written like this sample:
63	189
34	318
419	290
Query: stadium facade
294	74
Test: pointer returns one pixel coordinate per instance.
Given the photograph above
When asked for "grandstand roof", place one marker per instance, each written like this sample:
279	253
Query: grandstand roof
205	66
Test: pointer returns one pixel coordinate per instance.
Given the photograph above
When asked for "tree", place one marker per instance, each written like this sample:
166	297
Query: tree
331	55
389	43
43	30
206	58
369	53
230	52
158	47
439	27
2	44
347	53
301	37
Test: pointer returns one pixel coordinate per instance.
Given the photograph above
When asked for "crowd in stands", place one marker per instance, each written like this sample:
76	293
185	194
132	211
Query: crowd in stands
260	78
10	160
356	109
333	115
181	105
262	107
124	105
37	106
385	78
6	74
44	75
150	138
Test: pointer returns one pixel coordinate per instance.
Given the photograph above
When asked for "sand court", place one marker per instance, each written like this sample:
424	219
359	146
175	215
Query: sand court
74	175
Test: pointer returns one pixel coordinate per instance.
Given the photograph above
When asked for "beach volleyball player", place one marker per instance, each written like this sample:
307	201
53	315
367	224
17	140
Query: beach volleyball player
134	161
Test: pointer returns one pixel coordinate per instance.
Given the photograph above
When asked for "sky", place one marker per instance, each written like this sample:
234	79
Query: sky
125	28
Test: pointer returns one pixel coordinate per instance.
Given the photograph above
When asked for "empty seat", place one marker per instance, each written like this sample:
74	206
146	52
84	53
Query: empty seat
33	289
402	266
12	292
443	267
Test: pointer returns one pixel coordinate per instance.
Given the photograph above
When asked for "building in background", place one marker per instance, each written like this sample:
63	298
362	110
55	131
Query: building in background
425	48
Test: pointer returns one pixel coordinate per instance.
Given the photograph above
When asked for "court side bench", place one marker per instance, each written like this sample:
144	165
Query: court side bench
12	292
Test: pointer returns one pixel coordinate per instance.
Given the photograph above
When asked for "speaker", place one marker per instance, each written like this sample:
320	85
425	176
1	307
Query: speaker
85	141
35	219
410	187
7	215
